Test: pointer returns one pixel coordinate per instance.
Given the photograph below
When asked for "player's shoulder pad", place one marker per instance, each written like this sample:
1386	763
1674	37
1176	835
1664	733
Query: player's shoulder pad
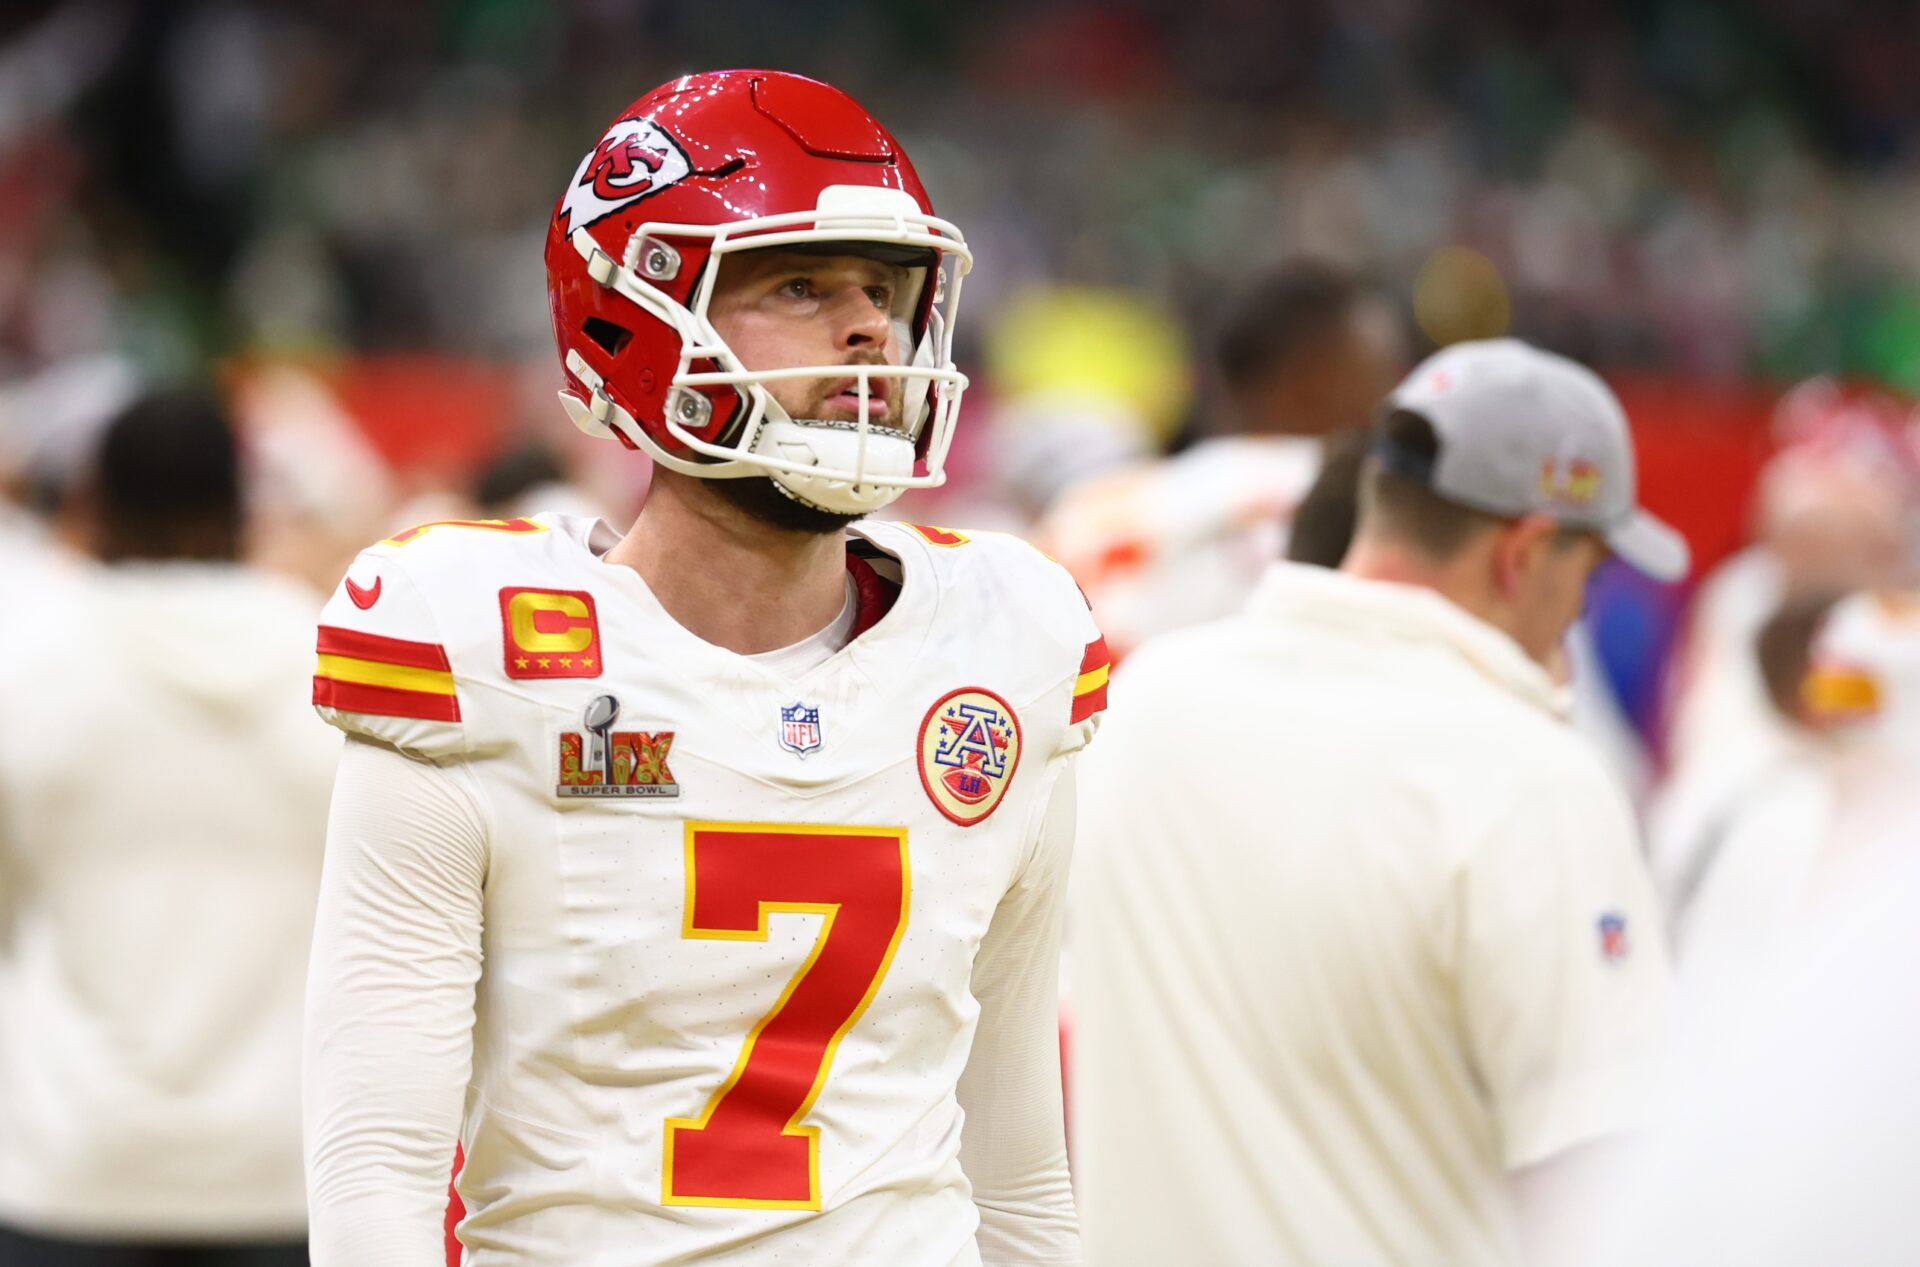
1062	652
391	661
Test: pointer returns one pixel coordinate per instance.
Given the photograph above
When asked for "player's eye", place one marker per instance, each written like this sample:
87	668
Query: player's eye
881	295
797	288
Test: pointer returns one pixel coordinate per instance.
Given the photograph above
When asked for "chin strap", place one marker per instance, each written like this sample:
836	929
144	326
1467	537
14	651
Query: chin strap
836	445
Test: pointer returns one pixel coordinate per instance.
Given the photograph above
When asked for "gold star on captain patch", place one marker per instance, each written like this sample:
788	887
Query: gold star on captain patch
545	663
520	662
586	662
566	662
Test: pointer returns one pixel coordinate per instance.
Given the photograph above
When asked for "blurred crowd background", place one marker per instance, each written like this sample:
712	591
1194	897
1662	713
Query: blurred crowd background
1715	191
332	210
1714	194
339	204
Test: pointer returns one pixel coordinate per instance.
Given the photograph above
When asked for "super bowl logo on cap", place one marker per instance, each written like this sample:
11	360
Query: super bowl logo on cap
1574	481
635	158
969	750
799	728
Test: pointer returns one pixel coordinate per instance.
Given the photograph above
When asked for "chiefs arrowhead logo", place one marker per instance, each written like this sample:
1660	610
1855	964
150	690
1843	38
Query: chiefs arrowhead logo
635	158
363	598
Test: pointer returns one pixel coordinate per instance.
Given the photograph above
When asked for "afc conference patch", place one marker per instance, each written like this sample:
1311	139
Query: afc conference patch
1612	927
969	750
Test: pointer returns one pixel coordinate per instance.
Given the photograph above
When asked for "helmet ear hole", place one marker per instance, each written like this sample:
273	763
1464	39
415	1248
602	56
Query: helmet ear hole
609	336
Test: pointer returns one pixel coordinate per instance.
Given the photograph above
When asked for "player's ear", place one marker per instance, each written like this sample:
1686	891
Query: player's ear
1519	550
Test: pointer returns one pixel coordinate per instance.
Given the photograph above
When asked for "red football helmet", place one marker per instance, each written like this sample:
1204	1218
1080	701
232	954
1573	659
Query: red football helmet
738	160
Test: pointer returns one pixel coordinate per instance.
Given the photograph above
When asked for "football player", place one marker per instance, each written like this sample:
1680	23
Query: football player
705	881
1303	359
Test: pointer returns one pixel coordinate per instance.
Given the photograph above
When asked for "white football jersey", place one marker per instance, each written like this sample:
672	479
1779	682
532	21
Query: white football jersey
730	917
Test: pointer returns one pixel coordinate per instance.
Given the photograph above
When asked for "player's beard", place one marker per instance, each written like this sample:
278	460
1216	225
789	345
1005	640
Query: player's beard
772	505
767	503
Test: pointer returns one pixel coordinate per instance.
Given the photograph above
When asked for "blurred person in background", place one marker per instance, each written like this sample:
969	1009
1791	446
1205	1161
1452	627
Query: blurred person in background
1785	1132
50	426
1847	678
316	490
1836	509
1304	355
1085	380
528	479
1365	954
1775	810
162	812
1321	532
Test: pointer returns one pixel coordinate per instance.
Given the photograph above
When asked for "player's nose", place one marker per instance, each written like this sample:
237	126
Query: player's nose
858	321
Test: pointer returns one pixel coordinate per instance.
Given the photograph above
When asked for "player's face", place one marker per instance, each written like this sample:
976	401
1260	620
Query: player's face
781	309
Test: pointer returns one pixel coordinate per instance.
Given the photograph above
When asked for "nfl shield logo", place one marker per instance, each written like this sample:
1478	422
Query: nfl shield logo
1613	937
799	728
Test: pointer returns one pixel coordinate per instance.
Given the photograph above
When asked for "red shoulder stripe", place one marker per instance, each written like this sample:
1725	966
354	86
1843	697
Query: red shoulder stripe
1096	656
365	646
1090	690
384	701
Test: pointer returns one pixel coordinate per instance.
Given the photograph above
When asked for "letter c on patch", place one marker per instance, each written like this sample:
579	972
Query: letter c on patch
568	625
550	633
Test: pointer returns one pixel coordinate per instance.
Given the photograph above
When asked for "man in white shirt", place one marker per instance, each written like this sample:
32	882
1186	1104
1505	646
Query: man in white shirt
1363	944
162	813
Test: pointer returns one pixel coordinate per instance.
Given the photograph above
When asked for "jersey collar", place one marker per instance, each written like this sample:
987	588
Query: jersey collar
1296	590
890	628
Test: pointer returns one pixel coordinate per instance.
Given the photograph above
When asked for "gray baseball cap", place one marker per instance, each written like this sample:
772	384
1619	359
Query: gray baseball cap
1525	432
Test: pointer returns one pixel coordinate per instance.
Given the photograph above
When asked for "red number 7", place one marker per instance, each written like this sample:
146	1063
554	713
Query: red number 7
747	1147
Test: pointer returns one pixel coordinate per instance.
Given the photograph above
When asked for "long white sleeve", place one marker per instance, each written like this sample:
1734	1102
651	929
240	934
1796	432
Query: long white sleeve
389	1025
1013	1146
